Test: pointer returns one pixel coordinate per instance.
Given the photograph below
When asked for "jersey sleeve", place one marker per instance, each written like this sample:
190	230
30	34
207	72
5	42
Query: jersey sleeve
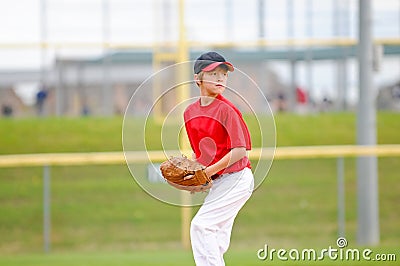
188	129
238	132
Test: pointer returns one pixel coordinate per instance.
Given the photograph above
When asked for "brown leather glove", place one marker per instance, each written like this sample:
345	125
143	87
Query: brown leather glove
183	173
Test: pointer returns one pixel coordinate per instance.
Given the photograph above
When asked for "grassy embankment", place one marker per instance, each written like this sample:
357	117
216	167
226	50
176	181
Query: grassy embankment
101	208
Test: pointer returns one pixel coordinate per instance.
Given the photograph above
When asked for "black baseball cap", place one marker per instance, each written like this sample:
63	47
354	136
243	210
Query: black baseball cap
210	60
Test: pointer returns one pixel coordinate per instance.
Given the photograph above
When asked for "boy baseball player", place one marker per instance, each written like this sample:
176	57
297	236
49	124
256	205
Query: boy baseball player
220	140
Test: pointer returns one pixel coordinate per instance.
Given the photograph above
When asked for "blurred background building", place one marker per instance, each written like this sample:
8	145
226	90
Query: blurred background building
87	57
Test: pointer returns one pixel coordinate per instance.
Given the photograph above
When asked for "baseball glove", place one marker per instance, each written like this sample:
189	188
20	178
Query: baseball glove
183	173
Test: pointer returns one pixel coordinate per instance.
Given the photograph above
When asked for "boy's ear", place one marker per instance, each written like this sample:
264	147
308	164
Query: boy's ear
196	79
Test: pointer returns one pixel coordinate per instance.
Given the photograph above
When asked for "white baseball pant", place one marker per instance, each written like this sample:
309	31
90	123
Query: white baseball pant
211	227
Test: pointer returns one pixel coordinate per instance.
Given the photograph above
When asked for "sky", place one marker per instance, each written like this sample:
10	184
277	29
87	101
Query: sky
142	22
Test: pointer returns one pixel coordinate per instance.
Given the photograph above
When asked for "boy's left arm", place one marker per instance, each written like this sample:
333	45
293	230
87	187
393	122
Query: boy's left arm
230	158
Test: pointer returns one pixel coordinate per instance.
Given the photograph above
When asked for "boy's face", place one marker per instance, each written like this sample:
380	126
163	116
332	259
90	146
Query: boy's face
213	82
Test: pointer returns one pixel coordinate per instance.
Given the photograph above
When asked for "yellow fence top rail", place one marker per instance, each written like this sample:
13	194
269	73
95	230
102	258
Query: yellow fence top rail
104	158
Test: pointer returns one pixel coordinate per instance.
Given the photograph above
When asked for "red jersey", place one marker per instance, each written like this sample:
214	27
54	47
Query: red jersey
214	130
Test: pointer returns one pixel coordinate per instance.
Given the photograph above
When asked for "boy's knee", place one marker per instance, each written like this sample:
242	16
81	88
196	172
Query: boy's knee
198	225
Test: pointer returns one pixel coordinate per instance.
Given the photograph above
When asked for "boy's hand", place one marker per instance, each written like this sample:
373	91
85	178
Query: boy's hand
202	188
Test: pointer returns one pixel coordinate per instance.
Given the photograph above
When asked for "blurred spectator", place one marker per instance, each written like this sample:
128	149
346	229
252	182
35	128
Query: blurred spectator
302	101
396	91
281	102
326	104
6	110
40	100
301	96
85	110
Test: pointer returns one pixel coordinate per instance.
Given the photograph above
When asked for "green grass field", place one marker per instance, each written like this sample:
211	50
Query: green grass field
101	217
172	258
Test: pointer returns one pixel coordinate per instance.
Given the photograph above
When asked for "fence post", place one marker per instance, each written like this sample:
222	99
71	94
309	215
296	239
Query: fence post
46	208
341	196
